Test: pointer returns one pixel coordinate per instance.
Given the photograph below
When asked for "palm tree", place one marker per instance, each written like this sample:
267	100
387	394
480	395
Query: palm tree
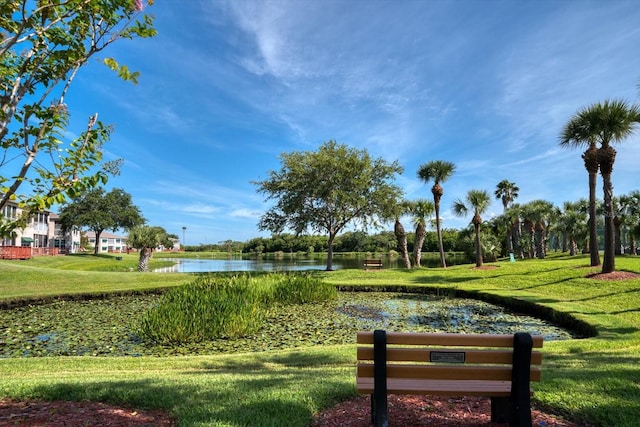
420	209
145	239
578	133
537	216
401	236
438	171
507	191
605	123
571	223
478	201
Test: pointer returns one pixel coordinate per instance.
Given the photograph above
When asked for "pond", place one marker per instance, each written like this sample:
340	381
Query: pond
298	263
205	265
108	327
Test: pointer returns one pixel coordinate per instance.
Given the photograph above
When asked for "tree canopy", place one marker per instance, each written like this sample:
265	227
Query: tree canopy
43	45
325	190
100	211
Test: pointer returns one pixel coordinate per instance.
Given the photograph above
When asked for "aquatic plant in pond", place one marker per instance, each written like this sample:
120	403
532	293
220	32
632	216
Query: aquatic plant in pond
226	307
107	327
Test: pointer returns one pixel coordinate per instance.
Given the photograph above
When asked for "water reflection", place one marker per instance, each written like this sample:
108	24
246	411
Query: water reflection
201	265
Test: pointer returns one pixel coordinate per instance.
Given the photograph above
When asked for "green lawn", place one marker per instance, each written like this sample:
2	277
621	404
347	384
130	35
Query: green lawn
594	380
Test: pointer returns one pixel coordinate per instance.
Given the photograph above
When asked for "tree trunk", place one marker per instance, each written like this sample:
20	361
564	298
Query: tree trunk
96	247
143	261
436	203
401	238
421	232
618	235
606	156
539	233
332	237
478	245
593	222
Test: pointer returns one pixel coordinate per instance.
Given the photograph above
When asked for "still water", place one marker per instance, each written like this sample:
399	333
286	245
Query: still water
205	265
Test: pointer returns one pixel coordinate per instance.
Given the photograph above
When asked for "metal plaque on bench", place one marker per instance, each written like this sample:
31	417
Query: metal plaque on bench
447	356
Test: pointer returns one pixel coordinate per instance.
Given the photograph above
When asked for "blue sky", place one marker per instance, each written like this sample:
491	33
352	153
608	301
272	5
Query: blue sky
227	86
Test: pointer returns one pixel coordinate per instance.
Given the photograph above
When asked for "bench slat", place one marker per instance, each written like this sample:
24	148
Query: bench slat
439	387
448	339
447	372
400	354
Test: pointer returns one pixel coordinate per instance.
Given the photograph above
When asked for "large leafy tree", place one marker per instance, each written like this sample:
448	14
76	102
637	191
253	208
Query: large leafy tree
437	171
606	123
327	189
99	211
507	191
477	201
43	45
146	238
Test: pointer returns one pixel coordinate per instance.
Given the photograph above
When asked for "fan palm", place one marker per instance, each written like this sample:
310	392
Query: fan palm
606	123
576	133
421	210
507	191
437	171
478	201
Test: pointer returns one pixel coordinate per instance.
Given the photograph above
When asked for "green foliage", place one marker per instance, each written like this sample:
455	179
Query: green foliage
221	307
43	45
324	190
101	211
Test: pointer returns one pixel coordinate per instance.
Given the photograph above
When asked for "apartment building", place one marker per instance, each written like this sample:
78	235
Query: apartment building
43	230
109	242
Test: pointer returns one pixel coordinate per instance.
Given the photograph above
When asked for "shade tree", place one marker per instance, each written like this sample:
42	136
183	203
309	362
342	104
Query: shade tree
99	211
326	190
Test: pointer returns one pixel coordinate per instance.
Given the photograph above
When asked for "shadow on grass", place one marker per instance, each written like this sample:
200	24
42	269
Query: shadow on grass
288	397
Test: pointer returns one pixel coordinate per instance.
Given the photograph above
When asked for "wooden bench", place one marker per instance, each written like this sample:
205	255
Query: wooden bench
496	366
372	263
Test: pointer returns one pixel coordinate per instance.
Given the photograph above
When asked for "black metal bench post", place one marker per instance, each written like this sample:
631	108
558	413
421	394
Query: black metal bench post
379	415
516	409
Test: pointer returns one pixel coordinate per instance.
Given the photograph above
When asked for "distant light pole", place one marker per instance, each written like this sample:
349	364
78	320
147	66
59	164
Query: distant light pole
184	240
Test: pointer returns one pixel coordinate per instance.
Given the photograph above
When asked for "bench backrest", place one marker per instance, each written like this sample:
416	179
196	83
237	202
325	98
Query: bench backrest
446	356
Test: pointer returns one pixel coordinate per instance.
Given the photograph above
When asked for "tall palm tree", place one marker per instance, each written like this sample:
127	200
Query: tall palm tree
420	209
478	201
438	171
537	216
576	133
507	191
608	122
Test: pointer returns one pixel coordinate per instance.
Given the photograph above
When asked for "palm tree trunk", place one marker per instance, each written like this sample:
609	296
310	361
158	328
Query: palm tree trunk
443	261
417	244
143	261
401	237
618	235
609	263
478	246
593	223
606	157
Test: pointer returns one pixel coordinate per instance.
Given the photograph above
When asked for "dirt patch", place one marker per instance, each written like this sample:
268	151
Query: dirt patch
426	411
78	414
616	275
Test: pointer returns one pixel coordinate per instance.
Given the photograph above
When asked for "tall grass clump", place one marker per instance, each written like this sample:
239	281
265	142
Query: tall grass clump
214	307
208	308
299	289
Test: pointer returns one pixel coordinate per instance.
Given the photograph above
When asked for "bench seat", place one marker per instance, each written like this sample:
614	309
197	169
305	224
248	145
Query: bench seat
498	366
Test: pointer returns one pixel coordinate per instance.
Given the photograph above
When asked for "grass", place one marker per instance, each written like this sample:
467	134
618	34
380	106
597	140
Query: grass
594	380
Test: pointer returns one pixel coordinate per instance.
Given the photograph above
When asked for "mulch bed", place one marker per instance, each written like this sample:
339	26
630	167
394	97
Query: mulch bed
430	411
78	414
